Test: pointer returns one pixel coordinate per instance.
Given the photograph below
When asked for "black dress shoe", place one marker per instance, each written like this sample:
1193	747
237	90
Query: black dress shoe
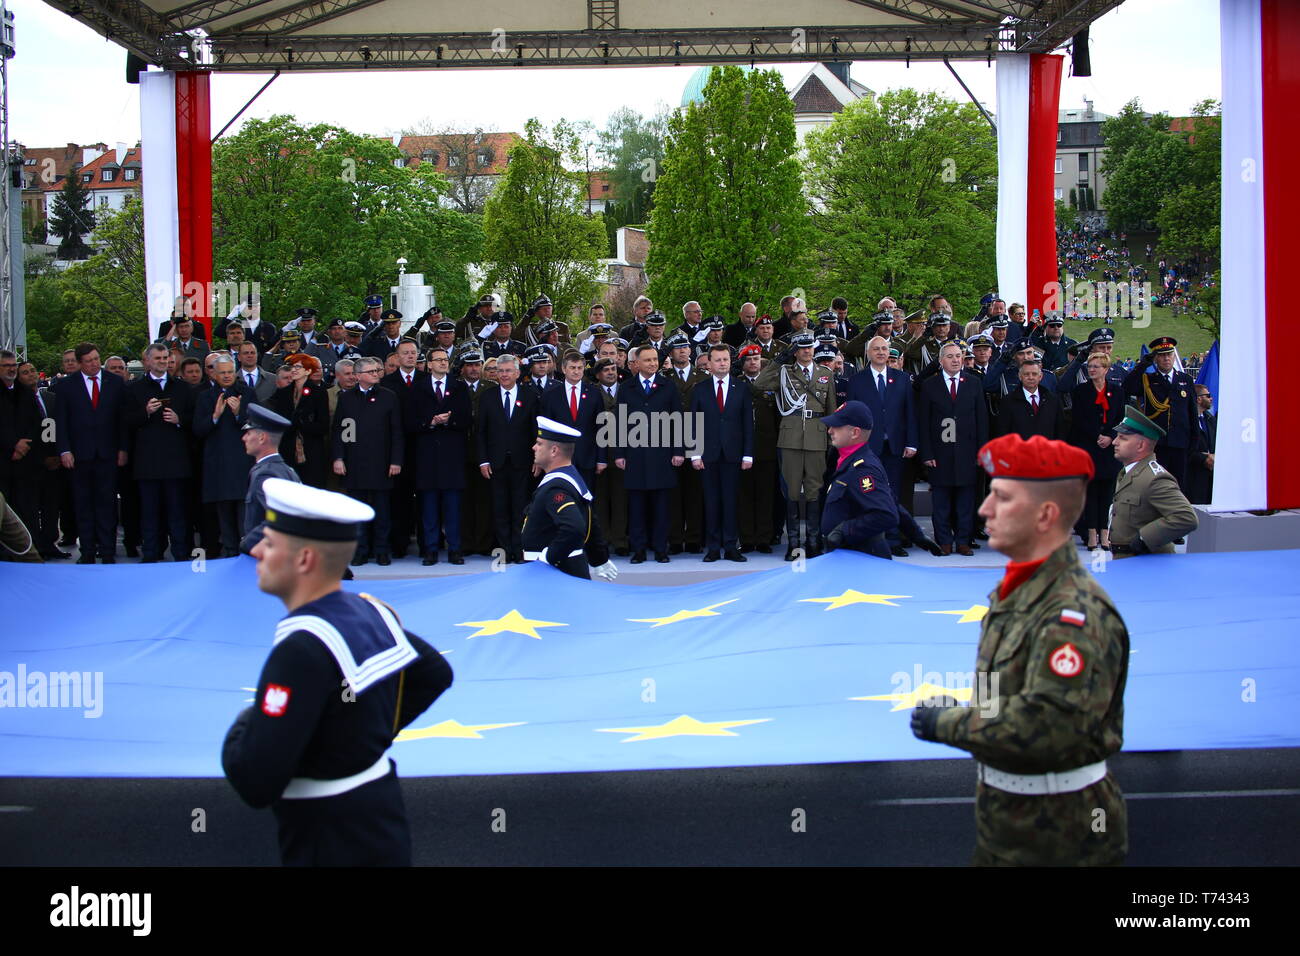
359	560
661	558
86	559
55	555
764	549
638	558
1180	540
383	560
898	551
982	535
674	549
455	557
430	559
108	560
731	554
711	557
974	546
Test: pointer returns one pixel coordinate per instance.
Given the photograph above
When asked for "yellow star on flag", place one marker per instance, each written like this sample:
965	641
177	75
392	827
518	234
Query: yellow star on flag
854	597
683	726
972	614
452	729
682	615
510	623
905	700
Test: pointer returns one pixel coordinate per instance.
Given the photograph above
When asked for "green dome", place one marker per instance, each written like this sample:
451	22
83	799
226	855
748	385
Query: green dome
694	92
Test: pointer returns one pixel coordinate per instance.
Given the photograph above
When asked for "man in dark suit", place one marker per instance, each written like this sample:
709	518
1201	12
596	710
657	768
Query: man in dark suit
952	426
159	413
52	484
91	439
402	383
367	450
438	414
843	328
739	332
888	395
577	403
649	465
726	408
611	495
506	428
251	373
1200	466
1031	410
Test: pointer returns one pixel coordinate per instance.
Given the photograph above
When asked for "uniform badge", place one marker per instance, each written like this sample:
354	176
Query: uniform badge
276	700
822	380
1077	618
1183	393
557	497
1066	661
519	403
307	391
867	483
1156	468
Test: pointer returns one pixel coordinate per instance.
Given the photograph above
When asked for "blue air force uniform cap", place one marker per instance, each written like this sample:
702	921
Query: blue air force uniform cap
307	512
850	413
374	301
266	420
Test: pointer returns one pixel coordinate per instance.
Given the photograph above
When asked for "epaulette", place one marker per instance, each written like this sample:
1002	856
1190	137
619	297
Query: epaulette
1155	467
858	462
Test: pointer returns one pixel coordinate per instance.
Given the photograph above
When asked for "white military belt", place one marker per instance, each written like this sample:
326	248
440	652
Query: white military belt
1043	784
537	555
305	788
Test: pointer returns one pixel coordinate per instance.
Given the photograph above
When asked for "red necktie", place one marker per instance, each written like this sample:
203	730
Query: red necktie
721	400
1033	403
94	392
408	381
952	386
573	401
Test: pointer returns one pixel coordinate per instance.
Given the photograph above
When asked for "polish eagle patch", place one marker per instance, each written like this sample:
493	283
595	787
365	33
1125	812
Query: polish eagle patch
867	483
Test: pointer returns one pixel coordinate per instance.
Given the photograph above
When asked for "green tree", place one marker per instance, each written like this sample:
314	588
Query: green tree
537	236
71	218
904	199
1148	175
1189	217
109	304
1066	216
319	216
1125	131
730	221
632	148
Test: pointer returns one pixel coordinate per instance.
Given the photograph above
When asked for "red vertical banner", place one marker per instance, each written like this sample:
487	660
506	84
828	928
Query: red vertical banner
194	192
1040	209
1280	88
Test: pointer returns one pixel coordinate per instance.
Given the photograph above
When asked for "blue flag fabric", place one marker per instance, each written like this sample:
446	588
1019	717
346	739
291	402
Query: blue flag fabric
1209	375
557	674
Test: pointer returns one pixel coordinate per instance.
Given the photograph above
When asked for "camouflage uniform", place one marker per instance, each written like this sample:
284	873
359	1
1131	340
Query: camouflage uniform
1045	722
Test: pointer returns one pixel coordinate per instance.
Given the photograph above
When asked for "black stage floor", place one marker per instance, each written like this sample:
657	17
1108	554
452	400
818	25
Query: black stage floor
1186	808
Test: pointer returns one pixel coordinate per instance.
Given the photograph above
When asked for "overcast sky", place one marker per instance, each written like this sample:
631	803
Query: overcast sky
68	84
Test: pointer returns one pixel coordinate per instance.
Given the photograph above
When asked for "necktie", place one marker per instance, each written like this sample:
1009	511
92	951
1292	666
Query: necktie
408	380
437	392
646	383
610	389
94	392
507	406
251	383
573	401
1033	403
952	388
807	373
722	402
880	386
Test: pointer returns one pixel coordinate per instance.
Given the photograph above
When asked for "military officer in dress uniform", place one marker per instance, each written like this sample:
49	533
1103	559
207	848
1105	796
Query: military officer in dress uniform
1149	511
370	315
343	678
560	526
1047	707
262	432
1167	397
1052	341
860	508
804	392
478	315
497	340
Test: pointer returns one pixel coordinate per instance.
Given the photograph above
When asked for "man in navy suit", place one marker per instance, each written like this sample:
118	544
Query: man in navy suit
577	403
437	416
505	430
887	393
159	412
649	465
90	436
726	408
952	426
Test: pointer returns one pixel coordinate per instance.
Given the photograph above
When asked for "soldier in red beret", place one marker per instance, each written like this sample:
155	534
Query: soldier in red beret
1047	708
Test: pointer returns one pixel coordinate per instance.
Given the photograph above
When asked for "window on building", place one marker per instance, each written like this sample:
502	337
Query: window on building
1060	193
106	175
1060	134
87	177
1083	162
103	200
129	175
1058	165
29	161
429	156
453	160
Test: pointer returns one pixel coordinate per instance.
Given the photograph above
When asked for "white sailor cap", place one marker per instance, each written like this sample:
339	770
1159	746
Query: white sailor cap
307	512
552	430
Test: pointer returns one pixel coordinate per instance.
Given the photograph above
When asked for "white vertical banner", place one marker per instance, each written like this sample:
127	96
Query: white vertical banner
1241	450
162	250
1013	176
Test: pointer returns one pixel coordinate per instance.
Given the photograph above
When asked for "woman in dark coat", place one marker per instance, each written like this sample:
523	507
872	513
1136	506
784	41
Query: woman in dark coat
1098	407
304	402
219	429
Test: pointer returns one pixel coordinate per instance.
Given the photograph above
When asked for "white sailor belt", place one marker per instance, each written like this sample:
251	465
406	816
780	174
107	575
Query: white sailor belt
1042	784
305	788
537	555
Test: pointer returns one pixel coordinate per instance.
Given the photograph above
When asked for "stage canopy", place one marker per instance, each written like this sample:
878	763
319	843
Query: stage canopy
307	35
